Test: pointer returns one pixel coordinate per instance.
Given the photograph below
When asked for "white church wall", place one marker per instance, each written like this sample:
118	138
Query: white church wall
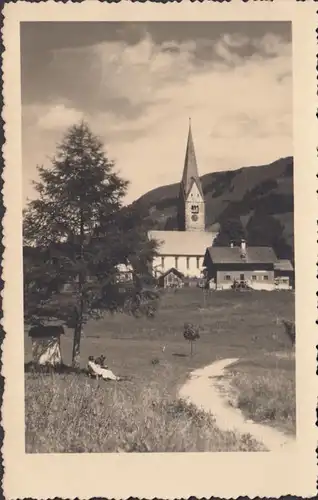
188	265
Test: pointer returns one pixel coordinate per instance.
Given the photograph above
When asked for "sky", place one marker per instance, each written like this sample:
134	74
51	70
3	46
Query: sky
137	84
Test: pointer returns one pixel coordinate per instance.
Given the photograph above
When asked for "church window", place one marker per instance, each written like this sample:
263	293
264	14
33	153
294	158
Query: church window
162	262
198	262
195	209
176	262
188	262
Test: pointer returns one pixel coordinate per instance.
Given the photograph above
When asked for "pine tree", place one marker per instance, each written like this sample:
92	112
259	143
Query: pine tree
231	231
265	230
76	234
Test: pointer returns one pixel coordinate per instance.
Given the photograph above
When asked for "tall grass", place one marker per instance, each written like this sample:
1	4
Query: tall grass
69	413
267	396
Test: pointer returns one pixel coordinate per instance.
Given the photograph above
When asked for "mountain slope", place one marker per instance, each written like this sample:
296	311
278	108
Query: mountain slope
229	194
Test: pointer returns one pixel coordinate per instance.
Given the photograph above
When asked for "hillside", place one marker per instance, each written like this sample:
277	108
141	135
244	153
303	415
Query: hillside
265	188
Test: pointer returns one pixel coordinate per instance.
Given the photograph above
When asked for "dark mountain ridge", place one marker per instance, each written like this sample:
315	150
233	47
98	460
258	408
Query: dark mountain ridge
266	189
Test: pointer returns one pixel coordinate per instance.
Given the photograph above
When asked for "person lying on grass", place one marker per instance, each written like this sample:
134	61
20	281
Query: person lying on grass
98	369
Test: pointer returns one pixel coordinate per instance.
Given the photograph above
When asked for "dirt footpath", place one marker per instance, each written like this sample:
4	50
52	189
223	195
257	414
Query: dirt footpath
206	388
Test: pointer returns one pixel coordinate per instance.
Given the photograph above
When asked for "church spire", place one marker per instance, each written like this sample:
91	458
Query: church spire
190	170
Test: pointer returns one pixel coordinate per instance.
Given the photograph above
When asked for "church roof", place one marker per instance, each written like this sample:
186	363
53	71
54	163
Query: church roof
254	255
182	242
190	170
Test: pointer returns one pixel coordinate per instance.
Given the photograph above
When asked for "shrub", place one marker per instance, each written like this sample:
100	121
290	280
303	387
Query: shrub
290	330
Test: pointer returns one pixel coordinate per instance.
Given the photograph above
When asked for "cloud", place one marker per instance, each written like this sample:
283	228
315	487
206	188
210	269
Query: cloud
59	117
138	98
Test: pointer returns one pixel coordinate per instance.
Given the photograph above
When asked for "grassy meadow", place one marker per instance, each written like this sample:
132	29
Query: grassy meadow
264	389
72	413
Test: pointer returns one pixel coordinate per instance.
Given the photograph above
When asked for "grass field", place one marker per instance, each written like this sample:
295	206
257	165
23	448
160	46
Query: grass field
264	389
233	324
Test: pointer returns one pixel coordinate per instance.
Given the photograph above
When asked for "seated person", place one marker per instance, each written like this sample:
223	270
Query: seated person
101	361
98	371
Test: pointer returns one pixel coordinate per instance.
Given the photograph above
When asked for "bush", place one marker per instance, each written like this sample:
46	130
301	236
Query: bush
290	330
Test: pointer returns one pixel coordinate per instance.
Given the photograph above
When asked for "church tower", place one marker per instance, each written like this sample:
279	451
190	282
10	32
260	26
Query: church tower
191	210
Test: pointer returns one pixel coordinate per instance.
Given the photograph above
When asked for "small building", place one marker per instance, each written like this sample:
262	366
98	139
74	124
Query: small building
253	266
125	273
171	279
284	274
46	347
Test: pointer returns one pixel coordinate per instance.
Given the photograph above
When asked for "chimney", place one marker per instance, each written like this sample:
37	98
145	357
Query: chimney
243	249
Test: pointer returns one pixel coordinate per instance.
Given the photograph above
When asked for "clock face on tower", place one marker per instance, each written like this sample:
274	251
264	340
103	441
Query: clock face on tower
194	212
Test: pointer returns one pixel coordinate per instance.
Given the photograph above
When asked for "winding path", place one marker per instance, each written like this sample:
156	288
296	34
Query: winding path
204	389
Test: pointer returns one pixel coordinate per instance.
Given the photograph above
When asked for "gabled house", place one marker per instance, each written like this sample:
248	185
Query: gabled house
171	279
253	266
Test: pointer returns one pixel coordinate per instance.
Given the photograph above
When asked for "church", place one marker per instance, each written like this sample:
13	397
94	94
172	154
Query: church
184	248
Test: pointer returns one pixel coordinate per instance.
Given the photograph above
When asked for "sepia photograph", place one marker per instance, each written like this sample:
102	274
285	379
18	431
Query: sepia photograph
160	263
158	236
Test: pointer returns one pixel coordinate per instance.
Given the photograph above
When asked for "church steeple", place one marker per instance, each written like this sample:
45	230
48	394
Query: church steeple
190	170
191	213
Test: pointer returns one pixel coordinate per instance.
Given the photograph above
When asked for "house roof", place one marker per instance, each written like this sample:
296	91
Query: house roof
174	271
46	331
283	265
182	242
254	255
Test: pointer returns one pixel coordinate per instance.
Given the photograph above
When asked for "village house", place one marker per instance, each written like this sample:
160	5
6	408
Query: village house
171	279
125	273
284	274
254	266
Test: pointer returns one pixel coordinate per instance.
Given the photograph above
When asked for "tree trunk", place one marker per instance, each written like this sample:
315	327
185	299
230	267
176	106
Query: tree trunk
191	343
204	298
76	354
79	313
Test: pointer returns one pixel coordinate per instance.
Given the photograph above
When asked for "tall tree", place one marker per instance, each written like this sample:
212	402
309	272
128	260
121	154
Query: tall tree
77	233
231	231
265	230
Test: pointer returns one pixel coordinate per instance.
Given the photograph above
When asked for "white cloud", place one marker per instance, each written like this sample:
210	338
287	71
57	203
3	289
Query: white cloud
59	117
240	107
